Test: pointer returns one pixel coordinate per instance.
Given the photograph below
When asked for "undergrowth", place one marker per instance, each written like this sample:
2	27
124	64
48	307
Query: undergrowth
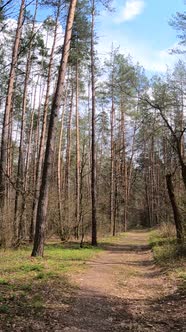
168	254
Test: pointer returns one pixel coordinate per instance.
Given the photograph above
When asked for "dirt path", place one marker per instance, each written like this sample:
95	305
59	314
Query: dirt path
123	290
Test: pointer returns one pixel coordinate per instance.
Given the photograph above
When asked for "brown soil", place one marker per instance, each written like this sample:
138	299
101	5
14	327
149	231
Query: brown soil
121	290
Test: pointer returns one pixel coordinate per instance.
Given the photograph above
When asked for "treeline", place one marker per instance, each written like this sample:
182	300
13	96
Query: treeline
85	148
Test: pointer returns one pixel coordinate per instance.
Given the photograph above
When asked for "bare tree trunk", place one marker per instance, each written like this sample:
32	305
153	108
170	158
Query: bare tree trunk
43	132
20	186
6	120
124	172
151	177
43	197
9	158
77	154
30	135
176	212
93	166
67	166
146	180
112	163
59	167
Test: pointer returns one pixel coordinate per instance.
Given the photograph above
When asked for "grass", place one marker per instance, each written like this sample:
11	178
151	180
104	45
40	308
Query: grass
165	249
27	283
3	281
111	240
169	255
36	286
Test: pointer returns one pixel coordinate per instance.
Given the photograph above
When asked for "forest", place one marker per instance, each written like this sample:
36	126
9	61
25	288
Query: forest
91	147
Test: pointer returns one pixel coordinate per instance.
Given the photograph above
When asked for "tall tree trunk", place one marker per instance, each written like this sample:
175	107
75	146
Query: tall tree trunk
59	171
93	165
20	185
27	165
43	197
77	154
151	177
43	132
68	165
176	212
112	161
6	120
124	172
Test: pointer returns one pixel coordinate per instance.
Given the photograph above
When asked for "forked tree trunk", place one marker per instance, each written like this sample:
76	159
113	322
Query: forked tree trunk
49	154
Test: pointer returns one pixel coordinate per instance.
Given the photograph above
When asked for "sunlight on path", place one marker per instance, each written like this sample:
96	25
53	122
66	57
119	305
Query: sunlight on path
123	290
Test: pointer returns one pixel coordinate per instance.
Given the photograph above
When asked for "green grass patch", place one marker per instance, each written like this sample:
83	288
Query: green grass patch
31	267
165	249
22	276
3	281
169	255
181	274
109	240
4	309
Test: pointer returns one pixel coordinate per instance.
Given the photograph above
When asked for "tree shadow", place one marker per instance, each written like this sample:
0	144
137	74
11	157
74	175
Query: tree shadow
65	308
124	247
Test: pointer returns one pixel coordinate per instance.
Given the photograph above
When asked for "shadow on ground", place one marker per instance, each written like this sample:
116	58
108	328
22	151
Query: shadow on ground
64	308
90	312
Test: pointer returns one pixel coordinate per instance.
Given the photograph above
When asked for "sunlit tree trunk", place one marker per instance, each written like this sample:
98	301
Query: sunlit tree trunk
43	131
43	197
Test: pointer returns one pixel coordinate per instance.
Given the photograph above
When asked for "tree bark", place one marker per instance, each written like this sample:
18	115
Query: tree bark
6	120
112	159
43	133
176	212
59	176
77	154
20	185
68	166
49	154
93	165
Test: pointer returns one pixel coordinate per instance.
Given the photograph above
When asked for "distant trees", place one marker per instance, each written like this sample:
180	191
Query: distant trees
4	172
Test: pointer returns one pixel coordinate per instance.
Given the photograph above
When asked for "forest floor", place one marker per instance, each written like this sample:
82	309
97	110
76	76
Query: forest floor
120	289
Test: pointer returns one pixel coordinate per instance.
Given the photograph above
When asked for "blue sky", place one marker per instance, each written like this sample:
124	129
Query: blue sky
140	27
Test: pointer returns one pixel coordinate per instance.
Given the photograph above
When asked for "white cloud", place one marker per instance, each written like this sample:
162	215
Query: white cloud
153	60
132	8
